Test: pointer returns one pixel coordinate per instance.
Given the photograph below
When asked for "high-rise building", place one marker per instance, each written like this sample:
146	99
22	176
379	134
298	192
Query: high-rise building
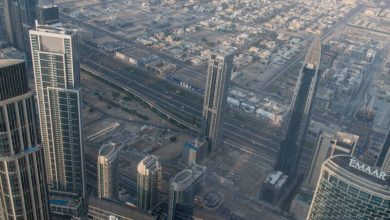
108	172
216	92
309	144
183	186
57	81
195	151
300	111
350	189
48	14
148	182
2	19
329	143
19	17
383	160
23	189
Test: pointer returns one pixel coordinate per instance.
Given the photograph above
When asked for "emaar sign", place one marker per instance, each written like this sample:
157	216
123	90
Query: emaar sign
367	169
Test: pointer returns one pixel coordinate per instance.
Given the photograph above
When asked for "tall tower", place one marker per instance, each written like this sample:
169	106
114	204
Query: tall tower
48	14
216	92
57	81
148	182
183	186
329	143
108	172
350	189
383	160
23	191
300	111
19	17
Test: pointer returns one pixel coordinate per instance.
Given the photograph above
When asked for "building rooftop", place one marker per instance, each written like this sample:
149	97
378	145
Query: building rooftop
118	209
277	179
187	177
9	62
107	150
66	201
148	164
55	29
313	56
358	171
183	175
196	143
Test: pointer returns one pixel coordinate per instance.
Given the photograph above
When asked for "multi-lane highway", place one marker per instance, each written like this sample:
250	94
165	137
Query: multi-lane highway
180	108
245	134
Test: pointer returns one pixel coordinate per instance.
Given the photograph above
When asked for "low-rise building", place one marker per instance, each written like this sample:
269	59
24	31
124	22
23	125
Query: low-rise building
273	186
160	67
101	209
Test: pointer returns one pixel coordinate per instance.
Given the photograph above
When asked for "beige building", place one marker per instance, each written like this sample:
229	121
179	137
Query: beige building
148	182
108	172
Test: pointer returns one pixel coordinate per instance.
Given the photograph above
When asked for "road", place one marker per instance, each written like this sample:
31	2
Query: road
185	109
263	141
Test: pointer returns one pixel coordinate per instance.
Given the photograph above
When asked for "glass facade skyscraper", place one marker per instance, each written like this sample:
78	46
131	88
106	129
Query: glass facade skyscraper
300	111
23	190
19	16
350	189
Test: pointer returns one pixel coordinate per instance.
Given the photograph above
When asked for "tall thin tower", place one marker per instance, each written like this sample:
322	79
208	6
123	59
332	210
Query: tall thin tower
19	17
148	182
57	82
23	190
300	111
108	172
216	92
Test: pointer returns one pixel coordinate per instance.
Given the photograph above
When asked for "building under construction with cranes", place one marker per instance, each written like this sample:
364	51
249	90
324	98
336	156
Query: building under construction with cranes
300	111
366	114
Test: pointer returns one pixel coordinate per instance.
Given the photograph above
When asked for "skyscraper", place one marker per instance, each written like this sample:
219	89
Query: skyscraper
148	182
300	111
48	14
329	144
23	191
108	172
216	92
195	151
57	81
383	160
350	189
19	17
183	186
